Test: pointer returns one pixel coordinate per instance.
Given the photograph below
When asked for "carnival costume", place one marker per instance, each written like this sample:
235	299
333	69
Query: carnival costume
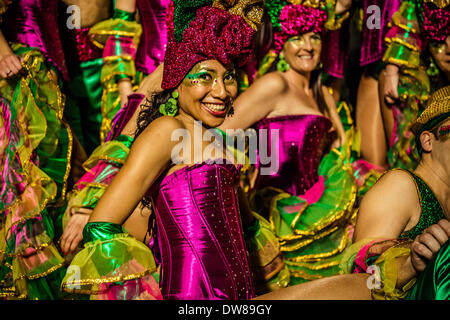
308	200
383	253
213	262
414	26
113	49
35	153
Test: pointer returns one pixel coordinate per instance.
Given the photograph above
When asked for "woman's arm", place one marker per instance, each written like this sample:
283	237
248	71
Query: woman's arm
334	116
387	207
149	156
126	5
256	102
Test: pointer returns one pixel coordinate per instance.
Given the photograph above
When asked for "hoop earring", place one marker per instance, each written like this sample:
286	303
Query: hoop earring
282	65
170	108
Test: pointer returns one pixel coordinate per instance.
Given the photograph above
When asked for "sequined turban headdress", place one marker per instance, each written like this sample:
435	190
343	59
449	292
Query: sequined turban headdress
436	20
290	18
202	30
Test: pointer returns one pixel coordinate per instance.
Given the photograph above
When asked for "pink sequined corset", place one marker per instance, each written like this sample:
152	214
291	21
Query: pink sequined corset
200	237
35	24
303	139
152	45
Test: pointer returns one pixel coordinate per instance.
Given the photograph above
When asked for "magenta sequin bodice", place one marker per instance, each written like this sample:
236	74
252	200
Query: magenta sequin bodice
302	141
152	46
200	236
35	23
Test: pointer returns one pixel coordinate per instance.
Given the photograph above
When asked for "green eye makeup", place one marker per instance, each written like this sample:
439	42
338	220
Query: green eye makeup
300	40
208	78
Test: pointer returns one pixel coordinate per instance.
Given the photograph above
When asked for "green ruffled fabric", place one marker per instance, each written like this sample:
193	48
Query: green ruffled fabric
31	265
313	244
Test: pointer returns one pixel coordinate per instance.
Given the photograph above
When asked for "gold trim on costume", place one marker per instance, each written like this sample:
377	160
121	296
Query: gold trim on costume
64	285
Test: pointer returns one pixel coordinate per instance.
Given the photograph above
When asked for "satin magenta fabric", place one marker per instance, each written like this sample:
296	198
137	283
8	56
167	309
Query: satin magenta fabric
303	140
35	23
200	236
152	45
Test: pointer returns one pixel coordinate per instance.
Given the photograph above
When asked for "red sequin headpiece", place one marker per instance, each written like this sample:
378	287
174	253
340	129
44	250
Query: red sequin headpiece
214	34
298	19
436	23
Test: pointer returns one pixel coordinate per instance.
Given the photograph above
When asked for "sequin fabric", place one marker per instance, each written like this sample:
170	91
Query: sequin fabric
298	19
86	49
214	34
200	237
302	141
431	212
436	23
251	10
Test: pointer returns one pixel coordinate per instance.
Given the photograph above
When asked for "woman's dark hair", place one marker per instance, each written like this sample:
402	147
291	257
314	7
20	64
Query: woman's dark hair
150	109
150	112
436	81
263	38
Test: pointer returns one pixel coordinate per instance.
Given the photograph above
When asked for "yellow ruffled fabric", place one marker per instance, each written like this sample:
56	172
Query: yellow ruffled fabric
113	66
387	263
403	49
266	260
114	152
98	264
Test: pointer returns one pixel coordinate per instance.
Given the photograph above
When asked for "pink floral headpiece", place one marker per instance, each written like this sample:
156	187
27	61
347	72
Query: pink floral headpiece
297	19
213	34
436	23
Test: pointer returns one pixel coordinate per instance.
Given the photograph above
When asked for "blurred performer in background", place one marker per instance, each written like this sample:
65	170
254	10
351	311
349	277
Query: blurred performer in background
36	149
119	54
417	64
307	198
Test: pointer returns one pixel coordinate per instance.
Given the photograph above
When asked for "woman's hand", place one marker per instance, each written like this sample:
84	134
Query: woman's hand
10	66
73	233
426	245
390	85
343	6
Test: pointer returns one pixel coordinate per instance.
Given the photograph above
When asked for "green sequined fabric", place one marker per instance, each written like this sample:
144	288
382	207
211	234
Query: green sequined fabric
431	213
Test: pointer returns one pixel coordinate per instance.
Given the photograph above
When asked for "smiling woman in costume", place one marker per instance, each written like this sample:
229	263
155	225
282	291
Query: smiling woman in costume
307	200
198	236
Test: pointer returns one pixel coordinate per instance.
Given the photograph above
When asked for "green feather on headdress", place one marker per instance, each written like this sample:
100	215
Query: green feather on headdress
184	12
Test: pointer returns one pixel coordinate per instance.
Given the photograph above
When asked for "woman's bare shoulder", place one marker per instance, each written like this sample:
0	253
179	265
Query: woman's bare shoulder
272	83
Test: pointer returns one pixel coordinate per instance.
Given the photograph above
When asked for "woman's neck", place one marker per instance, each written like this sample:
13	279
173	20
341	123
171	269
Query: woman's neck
299	80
